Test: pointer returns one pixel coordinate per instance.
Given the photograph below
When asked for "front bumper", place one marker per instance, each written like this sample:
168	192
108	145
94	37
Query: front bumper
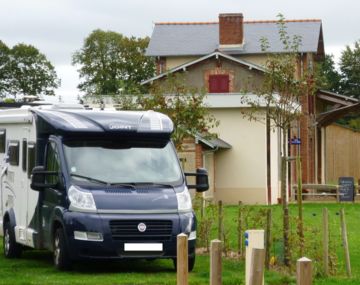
112	247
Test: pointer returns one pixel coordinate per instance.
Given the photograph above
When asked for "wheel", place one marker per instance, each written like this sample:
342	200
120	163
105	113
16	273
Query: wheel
11	248
61	256
191	263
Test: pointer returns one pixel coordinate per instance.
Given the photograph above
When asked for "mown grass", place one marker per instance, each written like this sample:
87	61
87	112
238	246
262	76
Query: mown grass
35	267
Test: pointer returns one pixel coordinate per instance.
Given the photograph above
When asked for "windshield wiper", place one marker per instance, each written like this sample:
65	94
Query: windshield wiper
132	186
89	178
154	184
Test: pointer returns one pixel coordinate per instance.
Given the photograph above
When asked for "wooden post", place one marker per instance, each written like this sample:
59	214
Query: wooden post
338	193
240	231
220	225
257	266
304	271
182	259
268	237
215	263
345	242
326	240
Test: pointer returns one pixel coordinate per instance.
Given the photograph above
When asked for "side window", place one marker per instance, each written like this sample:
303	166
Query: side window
13	152
52	163
2	140
24	150
30	157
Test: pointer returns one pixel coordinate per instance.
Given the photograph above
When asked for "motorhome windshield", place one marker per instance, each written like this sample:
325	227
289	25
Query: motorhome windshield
112	163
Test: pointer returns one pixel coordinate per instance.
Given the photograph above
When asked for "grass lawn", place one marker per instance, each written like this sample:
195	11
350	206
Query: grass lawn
35	267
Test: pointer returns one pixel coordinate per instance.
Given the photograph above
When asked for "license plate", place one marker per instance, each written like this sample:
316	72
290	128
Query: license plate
143	247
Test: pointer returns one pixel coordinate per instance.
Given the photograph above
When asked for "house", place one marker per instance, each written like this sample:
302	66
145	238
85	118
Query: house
226	58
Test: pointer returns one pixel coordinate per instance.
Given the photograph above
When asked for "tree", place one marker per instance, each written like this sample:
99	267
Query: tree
328	77
350	70
4	69
30	71
112	64
278	104
183	104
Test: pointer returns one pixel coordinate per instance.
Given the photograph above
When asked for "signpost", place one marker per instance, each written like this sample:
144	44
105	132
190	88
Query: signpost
347	189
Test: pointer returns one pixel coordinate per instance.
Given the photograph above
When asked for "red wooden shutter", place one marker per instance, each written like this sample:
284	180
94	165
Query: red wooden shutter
219	83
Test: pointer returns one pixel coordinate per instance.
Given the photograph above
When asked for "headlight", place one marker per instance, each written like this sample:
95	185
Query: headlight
184	201
81	201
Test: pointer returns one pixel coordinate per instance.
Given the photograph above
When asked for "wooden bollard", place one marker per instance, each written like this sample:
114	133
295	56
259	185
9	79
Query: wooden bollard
215	263
182	259
345	242
304	271
257	266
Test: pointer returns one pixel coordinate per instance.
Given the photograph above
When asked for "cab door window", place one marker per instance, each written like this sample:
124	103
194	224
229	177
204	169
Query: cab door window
52	163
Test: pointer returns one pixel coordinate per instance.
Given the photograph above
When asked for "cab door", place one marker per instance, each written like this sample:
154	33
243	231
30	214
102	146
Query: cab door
53	196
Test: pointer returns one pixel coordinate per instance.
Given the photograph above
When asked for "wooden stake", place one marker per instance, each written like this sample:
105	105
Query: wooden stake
240	231
268	237
182	259
300	208
326	241
345	242
257	266
215	263
220	225
304	271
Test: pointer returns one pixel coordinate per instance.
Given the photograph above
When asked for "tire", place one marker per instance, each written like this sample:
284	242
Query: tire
11	248
191	263
61	256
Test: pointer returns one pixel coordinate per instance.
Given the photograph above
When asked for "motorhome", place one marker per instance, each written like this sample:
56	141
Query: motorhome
93	185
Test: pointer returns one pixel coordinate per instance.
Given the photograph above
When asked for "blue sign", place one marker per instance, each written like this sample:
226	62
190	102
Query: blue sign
295	141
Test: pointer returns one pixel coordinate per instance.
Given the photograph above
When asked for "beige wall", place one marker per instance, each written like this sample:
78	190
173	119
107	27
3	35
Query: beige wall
176	61
258	59
240	173
244	78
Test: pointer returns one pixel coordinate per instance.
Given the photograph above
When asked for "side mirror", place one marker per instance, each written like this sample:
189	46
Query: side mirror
202	180
38	178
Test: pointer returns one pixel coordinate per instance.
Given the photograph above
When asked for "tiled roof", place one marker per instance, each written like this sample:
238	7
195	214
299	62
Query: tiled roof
200	38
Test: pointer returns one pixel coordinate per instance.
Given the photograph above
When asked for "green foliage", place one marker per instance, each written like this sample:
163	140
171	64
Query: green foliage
112	64
183	104
327	77
4	68
350	70
281	89
25	71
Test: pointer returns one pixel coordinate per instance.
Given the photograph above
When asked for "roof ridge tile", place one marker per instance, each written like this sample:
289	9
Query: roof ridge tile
246	22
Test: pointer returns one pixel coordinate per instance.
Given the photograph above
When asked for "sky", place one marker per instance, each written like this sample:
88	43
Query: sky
58	27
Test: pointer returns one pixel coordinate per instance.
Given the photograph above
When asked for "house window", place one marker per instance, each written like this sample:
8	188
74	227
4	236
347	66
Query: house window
219	83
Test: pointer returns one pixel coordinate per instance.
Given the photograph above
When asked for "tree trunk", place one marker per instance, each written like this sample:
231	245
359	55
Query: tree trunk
285	205
300	208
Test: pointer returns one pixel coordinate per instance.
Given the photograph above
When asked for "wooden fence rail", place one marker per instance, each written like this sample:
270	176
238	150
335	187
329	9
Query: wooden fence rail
324	190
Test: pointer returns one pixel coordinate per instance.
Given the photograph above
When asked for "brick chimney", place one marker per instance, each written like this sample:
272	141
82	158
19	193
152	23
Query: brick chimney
231	30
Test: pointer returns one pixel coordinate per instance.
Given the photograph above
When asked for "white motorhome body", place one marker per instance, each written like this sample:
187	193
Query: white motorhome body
93	184
17	157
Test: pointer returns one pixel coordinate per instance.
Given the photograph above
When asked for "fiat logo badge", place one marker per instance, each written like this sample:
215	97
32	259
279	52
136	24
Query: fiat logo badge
141	227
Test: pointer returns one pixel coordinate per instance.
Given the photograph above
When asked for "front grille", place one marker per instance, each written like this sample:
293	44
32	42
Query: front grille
127	230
